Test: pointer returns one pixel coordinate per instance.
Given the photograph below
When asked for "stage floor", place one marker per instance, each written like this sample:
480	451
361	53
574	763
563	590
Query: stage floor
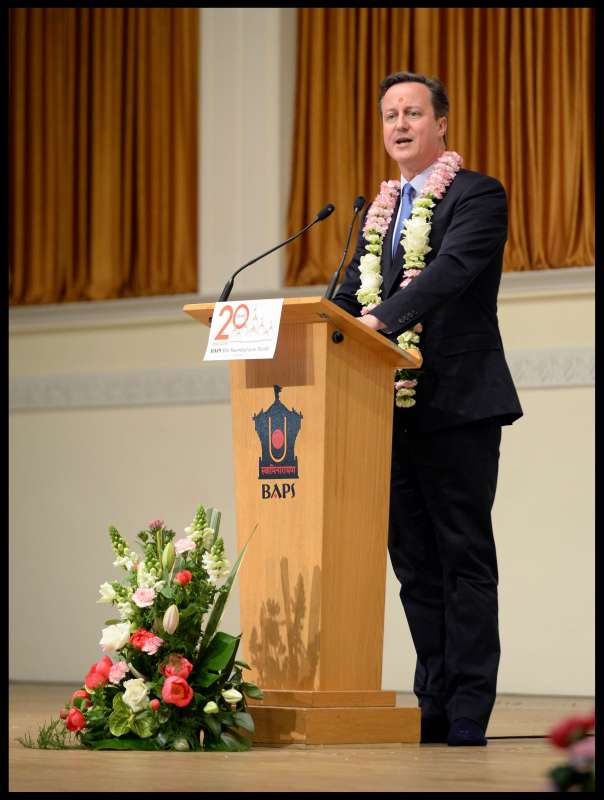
516	758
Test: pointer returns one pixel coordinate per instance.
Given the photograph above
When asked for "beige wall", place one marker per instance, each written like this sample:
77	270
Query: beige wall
116	420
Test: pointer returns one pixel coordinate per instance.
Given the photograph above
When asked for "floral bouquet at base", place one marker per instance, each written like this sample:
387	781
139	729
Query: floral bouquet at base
168	679
578	774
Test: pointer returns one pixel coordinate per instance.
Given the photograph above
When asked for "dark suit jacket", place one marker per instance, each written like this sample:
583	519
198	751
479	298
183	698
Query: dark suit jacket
464	377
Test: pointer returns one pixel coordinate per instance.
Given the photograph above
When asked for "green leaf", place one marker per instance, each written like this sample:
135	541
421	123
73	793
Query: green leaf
213	724
126	743
219	652
192	608
143	724
244	720
234	741
241	663
251	690
225	717
220	604
167	591
214	522
119	719
204	680
113	621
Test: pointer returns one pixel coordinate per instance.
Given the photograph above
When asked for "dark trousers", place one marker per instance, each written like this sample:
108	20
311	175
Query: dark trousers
443	553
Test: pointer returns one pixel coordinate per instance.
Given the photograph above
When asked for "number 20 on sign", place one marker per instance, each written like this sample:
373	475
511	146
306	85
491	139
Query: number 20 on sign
244	330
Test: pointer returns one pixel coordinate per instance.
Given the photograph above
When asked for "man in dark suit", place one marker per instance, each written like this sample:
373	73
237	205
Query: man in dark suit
445	445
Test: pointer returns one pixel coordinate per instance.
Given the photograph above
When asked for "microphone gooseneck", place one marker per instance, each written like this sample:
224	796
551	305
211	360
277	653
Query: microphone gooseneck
319	217
357	206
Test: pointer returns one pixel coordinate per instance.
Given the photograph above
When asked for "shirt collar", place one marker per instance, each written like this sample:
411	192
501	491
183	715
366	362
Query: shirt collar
419	180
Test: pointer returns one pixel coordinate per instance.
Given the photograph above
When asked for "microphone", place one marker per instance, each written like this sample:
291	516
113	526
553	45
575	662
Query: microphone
321	215
357	206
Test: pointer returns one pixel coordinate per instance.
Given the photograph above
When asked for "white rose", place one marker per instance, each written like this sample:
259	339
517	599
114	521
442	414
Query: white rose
371	280
369	263
136	694
232	695
108	594
115	637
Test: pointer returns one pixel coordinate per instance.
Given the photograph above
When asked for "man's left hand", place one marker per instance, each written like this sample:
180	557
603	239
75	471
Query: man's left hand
372	322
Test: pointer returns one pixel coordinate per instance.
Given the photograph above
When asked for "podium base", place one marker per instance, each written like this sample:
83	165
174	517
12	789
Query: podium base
277	725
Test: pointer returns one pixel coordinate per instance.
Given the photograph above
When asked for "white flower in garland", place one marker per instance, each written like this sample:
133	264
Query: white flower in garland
415	241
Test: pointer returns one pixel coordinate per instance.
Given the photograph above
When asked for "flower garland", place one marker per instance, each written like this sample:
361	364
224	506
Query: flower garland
415	239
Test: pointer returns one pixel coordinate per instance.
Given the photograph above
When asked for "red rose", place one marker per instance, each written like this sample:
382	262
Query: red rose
568	731
84	694
177	691
94	679
98	674
155	704
176	665
103	666
183	577
75	720
139	638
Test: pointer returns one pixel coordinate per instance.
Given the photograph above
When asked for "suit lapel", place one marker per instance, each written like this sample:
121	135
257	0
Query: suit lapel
387	270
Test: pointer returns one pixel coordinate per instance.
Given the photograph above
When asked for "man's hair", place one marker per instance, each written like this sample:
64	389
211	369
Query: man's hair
438	93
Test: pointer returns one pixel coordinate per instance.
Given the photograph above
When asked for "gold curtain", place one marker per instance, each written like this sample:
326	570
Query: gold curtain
521	90
103	153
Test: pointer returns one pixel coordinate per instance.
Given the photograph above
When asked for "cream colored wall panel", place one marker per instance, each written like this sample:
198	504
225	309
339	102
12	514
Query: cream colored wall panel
181	344
72	474
547	321
543	521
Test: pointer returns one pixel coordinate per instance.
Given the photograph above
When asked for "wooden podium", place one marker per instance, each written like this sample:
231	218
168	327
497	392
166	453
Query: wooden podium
312	437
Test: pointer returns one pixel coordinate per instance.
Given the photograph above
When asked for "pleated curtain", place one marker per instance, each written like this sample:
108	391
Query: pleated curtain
521	89
103	153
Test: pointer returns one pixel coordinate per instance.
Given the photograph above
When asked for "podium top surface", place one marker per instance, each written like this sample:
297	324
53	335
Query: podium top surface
316	310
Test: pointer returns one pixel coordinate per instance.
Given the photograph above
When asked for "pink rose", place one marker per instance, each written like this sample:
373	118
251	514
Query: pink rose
75	720
184	545
176	665
177	691
154	704
118	671
144	597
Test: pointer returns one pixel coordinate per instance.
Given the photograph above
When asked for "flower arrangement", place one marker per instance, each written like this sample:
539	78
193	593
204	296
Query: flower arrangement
578	774
168	679
415	238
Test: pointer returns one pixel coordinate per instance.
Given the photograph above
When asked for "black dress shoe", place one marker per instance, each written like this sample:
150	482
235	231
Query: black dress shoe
466	732
434	730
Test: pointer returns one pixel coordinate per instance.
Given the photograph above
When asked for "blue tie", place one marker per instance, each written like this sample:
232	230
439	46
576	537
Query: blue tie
406	203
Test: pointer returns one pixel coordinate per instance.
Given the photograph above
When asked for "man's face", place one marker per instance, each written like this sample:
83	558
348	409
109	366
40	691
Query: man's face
412	134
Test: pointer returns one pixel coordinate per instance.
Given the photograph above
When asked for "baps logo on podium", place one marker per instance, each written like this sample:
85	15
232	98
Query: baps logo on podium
277	429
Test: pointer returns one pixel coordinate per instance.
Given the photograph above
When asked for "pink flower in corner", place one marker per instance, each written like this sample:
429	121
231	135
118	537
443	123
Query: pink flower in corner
144	597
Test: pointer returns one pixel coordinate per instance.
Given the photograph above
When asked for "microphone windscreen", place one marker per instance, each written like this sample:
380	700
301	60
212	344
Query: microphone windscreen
359	203
326	211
